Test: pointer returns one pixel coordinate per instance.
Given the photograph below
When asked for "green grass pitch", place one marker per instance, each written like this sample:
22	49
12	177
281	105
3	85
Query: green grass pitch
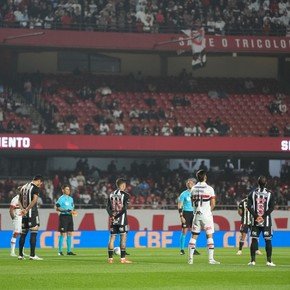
151	269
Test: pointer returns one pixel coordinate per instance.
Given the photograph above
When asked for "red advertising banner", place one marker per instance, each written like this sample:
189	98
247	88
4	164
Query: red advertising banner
139	41
141	143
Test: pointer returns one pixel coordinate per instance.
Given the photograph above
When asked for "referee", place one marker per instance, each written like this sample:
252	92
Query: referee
186	212
65	207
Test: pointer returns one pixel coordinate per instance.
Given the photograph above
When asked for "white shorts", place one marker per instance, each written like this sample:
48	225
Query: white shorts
203	222
17	225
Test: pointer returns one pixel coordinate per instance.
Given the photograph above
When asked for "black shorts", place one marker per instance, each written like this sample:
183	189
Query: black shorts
256	231
188	216
244	228
30	222
66	223
118	229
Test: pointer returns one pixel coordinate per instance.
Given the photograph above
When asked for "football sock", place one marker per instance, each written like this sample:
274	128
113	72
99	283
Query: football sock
182	241
60	243
123	253
191	247
241	244
110	253
269	250
68	243
13	242
21	243
32	243
210	246
254	247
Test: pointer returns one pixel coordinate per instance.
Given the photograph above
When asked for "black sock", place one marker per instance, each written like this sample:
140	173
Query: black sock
110	253
21	243
123	253
269	250
254	246
241	244
32	243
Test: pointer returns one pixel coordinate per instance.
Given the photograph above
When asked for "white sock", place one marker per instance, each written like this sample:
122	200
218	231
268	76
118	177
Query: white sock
210	254
210	246
191	247
13	242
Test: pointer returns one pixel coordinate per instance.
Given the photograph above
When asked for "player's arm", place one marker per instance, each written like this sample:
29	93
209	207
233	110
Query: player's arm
271	207
250	206
240	210
31	205
125	207
73	212
109	208
11	211
180	211
212	203
18	191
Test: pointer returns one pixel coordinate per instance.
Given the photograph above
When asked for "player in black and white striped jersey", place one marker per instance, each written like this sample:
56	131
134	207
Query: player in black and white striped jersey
117	205
245	225
28	197
260	204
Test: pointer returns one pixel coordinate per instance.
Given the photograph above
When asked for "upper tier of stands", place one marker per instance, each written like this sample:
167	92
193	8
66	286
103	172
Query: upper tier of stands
248	107
265	17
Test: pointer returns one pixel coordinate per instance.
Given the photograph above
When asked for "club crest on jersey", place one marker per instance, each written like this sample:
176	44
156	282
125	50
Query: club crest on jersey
260	199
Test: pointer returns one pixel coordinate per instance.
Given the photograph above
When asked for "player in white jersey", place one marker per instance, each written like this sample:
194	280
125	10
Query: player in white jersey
15	213
203	198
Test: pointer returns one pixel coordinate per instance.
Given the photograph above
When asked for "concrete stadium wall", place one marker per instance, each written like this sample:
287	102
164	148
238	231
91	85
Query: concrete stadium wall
150	64
228	66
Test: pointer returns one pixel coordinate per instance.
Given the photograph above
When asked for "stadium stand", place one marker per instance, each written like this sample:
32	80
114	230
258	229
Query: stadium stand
150	186
99	101
150	16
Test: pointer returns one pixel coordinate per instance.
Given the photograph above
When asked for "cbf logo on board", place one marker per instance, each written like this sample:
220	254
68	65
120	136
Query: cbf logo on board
14	142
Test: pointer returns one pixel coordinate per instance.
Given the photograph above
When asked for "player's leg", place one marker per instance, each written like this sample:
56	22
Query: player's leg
123	242
267	233
17	226
192	245
189	222
208	225
61	237
23	237
69	229
182	238
243	235
253	247
210	248
186	222
255	232
196	228
13	243
69	243
111	245
62	233
33	236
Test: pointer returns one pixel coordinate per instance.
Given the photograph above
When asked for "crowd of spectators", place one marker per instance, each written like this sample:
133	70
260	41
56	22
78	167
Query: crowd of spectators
150	185
246	17
136	105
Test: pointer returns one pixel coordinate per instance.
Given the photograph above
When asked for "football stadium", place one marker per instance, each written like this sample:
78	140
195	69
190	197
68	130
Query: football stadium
144	144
